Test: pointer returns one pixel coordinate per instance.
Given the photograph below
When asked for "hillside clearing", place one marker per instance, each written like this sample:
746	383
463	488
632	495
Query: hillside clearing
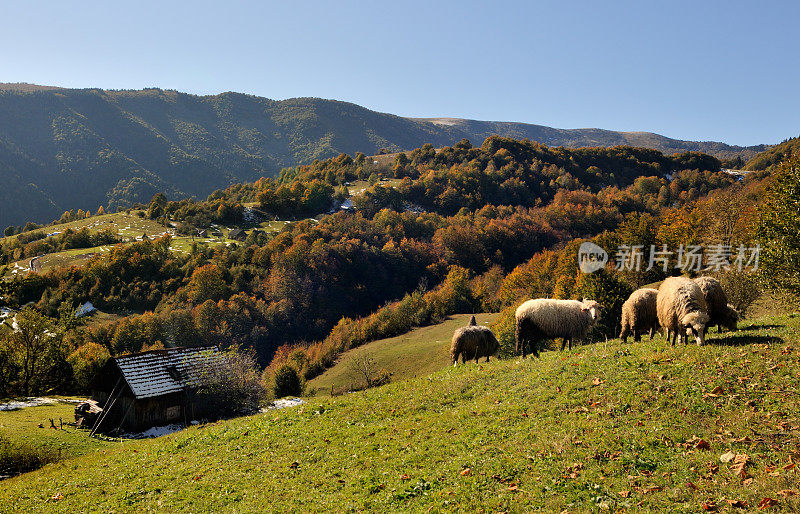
606	426
417	353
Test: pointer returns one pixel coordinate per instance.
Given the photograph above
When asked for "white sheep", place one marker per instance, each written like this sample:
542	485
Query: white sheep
639	315
722	314
545	318
682	309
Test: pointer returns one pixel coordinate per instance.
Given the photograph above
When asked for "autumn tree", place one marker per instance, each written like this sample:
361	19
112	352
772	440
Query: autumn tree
207	283
778	231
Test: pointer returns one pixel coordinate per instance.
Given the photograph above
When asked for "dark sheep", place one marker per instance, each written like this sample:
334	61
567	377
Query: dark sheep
473	342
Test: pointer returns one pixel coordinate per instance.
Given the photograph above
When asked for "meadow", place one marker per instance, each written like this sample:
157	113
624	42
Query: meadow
606	426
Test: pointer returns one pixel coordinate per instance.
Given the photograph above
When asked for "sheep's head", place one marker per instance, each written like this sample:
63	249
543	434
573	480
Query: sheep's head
593	308
694	324
730	318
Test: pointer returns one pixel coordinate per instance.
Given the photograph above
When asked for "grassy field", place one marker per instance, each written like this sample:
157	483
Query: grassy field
417	353
22	425
128	227
637	427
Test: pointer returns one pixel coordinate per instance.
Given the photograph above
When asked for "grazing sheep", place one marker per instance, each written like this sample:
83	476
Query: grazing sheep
473	342
639	315
682	309
545	318
722	314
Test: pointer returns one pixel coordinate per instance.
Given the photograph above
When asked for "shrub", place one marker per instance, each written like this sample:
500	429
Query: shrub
234	387
86	362
741	287
287	382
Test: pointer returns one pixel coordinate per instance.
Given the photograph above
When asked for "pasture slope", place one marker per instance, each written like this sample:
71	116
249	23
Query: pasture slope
639	427
415	354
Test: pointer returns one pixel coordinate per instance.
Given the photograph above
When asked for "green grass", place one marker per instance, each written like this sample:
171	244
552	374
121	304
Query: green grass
417	353
127	226
603	426
22	427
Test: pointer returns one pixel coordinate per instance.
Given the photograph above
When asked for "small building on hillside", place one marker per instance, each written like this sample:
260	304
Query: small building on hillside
152	388
85	310
237	234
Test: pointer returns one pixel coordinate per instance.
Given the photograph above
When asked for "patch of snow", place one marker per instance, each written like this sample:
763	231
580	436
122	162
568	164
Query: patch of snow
26	402
155	432
284	403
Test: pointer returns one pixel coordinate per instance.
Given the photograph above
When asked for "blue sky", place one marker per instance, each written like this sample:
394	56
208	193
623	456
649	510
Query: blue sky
724	71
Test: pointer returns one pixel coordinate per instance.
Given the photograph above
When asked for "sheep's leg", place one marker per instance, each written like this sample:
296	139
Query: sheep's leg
637	336
652	333
487	358
719	329
563	344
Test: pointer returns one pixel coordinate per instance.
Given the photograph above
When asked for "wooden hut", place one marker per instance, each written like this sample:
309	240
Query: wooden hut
152	388
237	234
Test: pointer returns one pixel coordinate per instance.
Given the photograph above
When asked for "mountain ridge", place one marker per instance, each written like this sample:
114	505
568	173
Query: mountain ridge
64	148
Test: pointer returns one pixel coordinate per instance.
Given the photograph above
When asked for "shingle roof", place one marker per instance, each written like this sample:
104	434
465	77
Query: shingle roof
160	372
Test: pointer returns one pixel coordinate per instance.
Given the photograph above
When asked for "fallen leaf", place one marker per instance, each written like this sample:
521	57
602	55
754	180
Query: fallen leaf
597	381
404	477
624	494
56	497
691	486
702	444
789	466
466	472
787	492
767	503
709	506
717	390
747	481
294	465
739	463
739	504
513	488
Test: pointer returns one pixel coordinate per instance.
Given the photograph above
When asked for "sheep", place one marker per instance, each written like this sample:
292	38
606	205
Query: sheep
545	318
722	313
473	342
682	309
639	314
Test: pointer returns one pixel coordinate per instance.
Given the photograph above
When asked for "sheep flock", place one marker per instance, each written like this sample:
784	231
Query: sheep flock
681	307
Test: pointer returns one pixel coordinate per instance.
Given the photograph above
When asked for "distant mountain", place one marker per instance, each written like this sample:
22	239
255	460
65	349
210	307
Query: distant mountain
576	138
64	149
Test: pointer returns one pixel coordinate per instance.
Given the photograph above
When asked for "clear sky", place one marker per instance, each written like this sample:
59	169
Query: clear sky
701	70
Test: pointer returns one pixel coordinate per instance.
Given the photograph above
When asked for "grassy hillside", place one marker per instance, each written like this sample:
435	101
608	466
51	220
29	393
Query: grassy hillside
606	426
125	224
64	149
417	353
22	426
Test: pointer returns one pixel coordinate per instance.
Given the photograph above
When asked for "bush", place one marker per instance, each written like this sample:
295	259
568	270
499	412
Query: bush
234	387
86	362
503	328
741	287
287	382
